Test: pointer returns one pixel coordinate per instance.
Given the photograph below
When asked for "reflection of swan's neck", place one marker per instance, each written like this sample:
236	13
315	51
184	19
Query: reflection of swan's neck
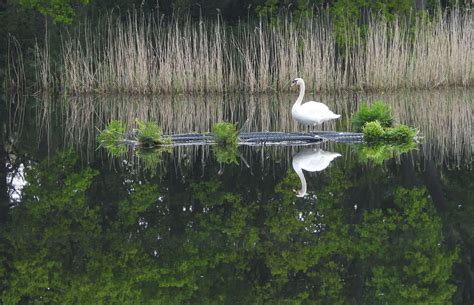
301	95
300	174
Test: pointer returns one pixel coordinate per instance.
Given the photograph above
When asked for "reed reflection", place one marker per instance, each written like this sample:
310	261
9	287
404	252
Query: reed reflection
444	118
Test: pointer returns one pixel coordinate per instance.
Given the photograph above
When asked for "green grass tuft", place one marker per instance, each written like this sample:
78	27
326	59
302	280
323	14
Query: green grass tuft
111	136
226	135
379	111
399	134
373	131
149	135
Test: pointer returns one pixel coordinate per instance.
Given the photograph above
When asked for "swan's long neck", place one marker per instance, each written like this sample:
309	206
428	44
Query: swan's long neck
300	96
300	174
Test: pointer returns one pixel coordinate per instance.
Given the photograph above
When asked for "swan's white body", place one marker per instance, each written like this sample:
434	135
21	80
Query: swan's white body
310	113
311	160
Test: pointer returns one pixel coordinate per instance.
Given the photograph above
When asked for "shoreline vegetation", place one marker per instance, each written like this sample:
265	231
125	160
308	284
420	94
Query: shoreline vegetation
143	54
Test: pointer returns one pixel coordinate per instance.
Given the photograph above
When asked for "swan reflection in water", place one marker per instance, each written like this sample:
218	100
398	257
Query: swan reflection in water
311	160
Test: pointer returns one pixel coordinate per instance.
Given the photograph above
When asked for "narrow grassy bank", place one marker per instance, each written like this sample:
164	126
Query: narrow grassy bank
146	55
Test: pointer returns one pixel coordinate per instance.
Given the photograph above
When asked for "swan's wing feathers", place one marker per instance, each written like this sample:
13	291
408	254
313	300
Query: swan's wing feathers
318	106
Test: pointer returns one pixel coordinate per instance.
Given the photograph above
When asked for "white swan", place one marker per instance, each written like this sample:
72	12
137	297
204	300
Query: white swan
310	113
311	160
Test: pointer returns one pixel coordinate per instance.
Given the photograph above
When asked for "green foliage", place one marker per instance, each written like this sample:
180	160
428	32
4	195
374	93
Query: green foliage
349	15
110	137
69	242
373	131
149	135
379	111
226	154
419	273
226	136
268	9
379	152
225	133
150	158
385	143
62	11
399	134
151	145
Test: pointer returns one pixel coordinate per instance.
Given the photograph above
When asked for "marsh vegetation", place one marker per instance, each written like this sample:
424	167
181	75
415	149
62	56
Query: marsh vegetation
145	54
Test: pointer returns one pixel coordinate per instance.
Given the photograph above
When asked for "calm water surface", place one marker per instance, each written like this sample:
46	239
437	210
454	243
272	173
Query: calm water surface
81	227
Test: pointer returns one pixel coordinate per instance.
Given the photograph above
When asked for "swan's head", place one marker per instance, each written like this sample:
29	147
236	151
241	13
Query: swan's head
297	81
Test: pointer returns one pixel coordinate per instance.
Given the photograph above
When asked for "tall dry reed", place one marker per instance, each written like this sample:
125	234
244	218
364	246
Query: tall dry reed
144	54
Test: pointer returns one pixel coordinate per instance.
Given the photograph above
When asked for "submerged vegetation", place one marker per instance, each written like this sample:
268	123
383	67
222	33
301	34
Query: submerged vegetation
145	54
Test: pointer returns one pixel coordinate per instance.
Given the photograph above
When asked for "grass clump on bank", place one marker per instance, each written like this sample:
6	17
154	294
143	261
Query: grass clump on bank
111	137
379	111
384	141
226	136
148	134
374	132
376	123
147	137
225	133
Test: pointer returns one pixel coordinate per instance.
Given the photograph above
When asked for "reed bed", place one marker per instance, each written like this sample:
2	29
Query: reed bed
146	55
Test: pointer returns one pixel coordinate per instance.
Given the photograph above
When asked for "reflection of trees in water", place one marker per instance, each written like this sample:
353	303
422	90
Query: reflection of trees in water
83	236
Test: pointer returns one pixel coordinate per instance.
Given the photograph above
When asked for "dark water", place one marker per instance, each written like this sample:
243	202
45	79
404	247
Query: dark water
81	227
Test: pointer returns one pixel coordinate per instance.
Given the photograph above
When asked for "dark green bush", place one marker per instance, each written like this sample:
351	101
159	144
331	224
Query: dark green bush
379	111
